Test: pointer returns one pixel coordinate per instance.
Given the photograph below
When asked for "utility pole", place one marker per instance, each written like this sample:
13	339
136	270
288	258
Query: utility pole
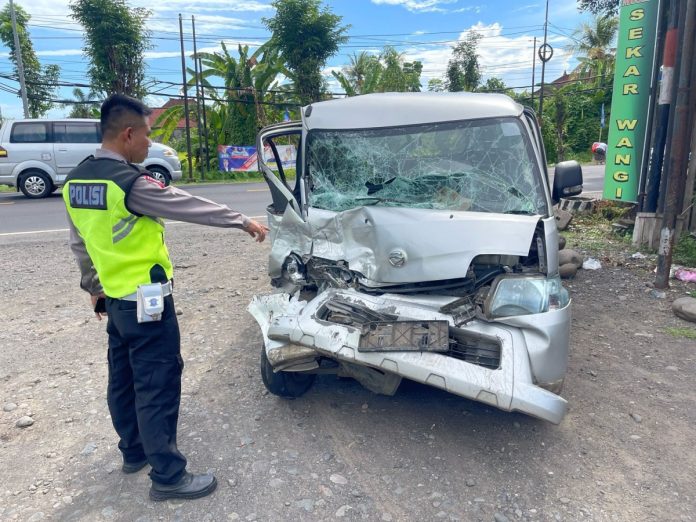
678	141
205	120
533	71
186	106
543	64
199	155
20	63
655	185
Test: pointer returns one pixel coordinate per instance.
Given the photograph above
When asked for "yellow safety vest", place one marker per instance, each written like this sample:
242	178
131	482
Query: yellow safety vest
127	249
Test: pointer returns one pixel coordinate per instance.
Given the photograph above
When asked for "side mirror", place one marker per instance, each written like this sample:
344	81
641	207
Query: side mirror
567	180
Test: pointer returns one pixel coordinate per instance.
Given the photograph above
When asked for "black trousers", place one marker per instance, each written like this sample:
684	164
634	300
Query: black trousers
144	389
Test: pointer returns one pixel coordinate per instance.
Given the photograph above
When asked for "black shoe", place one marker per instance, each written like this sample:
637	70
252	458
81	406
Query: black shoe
133	467
188	487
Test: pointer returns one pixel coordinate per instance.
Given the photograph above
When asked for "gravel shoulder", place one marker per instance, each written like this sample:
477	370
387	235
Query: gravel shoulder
624	452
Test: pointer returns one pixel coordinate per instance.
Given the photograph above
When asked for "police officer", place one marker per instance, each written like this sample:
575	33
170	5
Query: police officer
117	235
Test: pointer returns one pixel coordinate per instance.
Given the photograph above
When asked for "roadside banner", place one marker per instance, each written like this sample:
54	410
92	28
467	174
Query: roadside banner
629	106
243	159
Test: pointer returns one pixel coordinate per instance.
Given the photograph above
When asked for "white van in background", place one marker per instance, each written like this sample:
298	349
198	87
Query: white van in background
37	154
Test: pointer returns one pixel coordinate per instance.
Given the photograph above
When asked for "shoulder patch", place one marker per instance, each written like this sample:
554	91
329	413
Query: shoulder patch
87	195
152	180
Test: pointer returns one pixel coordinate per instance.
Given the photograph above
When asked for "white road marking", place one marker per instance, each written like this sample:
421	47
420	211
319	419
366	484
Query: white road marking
4	234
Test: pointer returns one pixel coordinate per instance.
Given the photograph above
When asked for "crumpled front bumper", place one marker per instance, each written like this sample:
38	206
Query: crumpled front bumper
288	322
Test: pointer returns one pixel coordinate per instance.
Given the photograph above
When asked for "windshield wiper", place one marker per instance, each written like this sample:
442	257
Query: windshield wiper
376	187
374	200
521	212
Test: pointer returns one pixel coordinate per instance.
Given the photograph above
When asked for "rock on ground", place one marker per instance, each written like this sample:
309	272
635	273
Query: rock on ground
685	307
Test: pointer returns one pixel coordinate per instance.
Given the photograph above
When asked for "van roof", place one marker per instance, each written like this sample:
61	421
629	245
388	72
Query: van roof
398	109
53	120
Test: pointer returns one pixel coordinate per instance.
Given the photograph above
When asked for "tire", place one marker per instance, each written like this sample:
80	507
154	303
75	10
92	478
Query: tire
35	184
160	174
284	384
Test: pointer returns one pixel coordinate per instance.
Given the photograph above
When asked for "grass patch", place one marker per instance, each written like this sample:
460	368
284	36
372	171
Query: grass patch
216	176
685	251
686	333
592	232
6	188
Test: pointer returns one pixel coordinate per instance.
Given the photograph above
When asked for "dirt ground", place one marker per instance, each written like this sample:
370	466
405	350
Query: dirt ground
625	451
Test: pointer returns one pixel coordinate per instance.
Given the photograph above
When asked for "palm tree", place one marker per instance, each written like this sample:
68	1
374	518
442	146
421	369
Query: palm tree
362	75
361	66
595	48
85	105
387	72
237	86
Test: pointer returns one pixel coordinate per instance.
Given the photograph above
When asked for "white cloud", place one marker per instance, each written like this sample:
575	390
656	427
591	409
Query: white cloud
326	71
60	52
231	45
525	7
156	101
506	57
213	5
473	9
419	6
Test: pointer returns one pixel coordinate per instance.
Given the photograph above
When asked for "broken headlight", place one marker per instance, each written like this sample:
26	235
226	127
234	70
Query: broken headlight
293	269
524	295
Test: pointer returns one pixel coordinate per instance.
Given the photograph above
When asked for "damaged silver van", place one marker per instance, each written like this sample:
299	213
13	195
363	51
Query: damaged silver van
417	241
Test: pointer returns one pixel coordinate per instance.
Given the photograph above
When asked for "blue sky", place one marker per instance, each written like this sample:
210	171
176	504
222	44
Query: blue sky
423	30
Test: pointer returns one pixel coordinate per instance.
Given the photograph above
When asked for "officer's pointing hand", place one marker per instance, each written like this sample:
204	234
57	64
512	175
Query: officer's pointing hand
256	230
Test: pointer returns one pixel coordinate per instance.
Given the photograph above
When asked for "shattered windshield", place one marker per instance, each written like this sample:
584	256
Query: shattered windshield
478	166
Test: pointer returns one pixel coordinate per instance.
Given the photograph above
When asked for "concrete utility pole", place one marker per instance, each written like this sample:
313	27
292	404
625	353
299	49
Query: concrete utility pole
205	121
186	106
533	70
678	142
543	65
653	186
20	64
201	167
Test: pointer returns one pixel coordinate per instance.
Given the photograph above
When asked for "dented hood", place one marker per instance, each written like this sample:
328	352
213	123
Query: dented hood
401	245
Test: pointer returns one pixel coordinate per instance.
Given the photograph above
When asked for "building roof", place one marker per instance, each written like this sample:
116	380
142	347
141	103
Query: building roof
172	102
398	109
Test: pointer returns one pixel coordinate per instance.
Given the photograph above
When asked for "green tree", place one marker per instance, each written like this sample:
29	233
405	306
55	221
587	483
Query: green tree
115	41
399	75
495	85
595	48
387	72
41	82
605	7
363	72
238	87
307	35
436	85
463	69
85	105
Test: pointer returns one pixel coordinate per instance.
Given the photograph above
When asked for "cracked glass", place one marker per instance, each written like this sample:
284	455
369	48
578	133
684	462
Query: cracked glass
477	166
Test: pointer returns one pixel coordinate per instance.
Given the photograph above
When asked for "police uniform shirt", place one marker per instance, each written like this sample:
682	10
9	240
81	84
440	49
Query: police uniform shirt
149	197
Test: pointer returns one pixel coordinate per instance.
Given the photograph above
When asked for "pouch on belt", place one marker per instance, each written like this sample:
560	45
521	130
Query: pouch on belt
150	299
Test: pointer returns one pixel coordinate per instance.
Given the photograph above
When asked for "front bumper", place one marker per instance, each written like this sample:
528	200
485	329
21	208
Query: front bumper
287	322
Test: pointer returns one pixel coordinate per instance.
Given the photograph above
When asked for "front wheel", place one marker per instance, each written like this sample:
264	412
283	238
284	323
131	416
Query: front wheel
160	174
35	184
284	384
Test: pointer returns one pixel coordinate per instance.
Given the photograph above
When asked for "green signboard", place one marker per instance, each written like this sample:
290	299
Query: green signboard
629	105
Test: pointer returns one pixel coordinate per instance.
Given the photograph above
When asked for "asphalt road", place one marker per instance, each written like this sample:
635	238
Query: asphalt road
22	215
19	214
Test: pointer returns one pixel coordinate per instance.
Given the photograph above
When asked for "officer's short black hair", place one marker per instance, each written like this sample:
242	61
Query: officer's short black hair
118	112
